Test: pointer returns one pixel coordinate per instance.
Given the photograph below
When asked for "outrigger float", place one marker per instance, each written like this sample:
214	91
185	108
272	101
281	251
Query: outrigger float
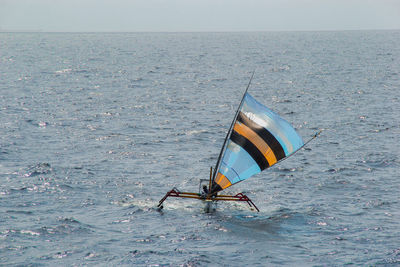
257	139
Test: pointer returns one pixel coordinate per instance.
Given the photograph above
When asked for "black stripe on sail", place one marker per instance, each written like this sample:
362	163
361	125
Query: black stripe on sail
215	188
251	149
265	135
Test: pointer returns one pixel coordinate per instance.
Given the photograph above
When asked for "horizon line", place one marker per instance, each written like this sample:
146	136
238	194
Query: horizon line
200	31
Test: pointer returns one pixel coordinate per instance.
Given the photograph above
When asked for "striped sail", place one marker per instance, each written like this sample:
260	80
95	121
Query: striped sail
258	140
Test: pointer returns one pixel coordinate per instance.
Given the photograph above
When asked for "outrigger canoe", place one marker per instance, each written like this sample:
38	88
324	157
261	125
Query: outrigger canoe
257	139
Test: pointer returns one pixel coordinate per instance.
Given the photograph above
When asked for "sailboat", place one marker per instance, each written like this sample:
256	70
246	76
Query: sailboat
258	138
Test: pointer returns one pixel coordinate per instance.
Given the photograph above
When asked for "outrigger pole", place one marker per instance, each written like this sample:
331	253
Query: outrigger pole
174	192
238	197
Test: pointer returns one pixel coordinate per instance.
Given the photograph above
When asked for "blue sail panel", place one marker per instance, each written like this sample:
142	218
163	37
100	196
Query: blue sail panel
245	166
282	130
259	139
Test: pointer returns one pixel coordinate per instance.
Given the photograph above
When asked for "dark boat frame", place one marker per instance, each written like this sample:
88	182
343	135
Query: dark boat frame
240	197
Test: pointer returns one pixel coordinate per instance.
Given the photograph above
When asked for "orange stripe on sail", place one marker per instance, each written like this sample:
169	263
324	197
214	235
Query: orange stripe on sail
245	131
222	181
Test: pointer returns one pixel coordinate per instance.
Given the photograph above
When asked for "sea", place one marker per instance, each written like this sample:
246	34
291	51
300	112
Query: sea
95	128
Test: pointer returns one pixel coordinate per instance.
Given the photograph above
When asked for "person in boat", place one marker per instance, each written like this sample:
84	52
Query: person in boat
205	192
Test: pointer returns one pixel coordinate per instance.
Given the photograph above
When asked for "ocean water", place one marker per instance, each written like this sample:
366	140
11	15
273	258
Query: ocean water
96	127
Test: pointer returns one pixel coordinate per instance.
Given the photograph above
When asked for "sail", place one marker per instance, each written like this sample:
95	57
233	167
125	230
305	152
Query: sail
259	139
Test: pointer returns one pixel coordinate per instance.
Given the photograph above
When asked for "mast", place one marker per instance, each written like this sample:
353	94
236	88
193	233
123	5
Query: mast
230	130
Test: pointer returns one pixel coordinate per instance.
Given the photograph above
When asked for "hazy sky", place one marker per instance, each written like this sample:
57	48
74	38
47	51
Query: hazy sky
198	15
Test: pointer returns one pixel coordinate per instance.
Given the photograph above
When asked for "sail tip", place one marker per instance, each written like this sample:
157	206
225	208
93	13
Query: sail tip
318	133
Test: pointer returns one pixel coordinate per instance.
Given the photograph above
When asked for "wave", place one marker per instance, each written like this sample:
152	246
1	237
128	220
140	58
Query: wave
38	169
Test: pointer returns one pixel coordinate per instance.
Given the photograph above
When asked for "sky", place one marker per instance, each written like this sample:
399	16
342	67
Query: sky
197	15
